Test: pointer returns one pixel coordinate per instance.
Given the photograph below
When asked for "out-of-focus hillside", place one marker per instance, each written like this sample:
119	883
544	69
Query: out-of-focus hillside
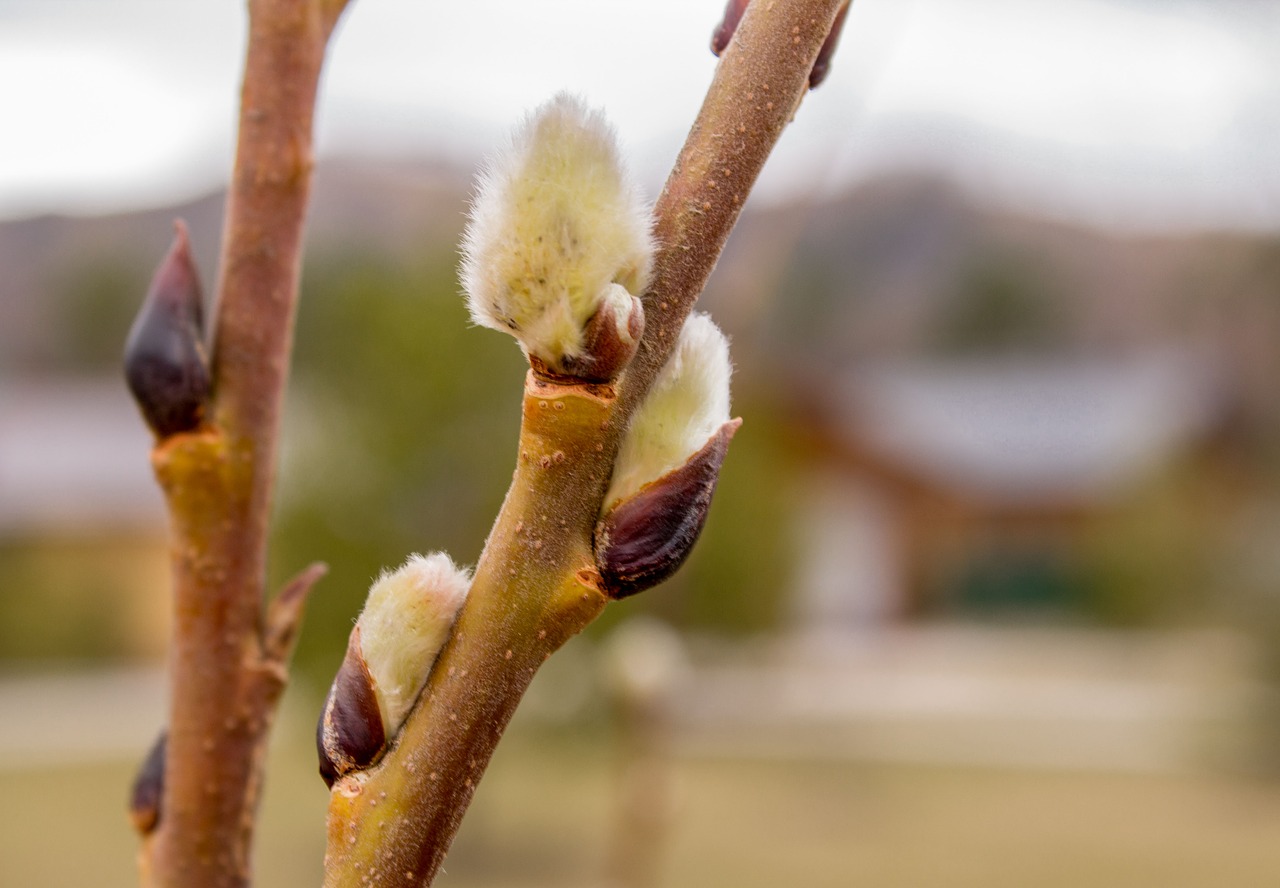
914	266
402	414
896	266
70	284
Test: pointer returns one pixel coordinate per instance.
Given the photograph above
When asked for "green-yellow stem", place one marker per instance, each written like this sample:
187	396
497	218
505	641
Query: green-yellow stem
534	588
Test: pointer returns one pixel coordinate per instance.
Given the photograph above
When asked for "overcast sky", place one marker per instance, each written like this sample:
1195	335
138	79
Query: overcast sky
1137	112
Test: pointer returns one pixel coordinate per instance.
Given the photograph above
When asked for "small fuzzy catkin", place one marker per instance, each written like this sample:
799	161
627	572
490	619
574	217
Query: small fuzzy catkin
406	620
688	403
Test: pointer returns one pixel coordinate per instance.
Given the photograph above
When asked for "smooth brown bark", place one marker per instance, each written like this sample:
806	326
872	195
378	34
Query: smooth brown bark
228	657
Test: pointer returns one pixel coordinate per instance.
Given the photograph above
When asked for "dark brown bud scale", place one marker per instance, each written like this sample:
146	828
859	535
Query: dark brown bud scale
606	350
148	788
644	539
164	358
350	735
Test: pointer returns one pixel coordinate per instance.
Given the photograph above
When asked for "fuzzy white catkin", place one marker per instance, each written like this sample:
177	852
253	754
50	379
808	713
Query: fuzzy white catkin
554	222
405	621
688	403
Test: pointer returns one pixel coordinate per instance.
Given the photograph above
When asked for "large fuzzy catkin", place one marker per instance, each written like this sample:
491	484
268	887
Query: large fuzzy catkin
688	403
554	223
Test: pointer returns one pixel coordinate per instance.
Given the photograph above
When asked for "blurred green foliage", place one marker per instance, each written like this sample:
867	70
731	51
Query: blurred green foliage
1150	559
399	433
1001	302
95	302
70	599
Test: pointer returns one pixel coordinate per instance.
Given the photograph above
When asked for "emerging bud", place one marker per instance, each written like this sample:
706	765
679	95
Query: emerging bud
148	788
688	403
668	465
164	357
646	537
406	621
555	224
723	33
733	14
822	64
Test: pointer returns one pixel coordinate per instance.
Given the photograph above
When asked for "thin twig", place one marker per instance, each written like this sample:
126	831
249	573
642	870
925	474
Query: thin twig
218	479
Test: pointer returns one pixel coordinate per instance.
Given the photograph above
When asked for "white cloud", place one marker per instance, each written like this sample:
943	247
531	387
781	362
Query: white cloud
94	122
1087	74
1144	105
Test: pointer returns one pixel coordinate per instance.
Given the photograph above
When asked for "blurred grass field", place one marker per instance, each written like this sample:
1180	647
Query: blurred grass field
544	815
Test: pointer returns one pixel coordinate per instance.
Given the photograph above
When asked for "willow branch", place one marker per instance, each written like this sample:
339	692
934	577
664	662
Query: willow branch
759	83
536	584
227	663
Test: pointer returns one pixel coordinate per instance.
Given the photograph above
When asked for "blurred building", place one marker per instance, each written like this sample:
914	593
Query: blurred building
971	487
83	556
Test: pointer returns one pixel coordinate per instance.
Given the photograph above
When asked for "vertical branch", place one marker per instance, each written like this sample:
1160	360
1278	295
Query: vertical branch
227	661
762	76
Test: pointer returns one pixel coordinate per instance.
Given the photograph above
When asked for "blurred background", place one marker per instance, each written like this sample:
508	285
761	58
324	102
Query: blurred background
990	593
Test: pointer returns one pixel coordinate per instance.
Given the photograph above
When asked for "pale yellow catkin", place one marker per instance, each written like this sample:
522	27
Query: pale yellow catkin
555	221
688	403
406	620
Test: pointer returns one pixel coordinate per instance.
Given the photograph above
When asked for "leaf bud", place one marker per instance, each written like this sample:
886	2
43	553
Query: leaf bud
405	622
556	228
164	357
148	788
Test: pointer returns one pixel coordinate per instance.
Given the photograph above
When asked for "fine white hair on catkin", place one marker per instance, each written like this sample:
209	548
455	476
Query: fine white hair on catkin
688	403
405	622
554	221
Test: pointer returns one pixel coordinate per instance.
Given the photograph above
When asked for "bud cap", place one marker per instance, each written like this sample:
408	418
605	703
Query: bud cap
350	734
646	537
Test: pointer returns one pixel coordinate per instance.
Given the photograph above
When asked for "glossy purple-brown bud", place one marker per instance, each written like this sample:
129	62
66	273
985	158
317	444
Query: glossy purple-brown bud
148	788
164	358
646	537
350	735
822	65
